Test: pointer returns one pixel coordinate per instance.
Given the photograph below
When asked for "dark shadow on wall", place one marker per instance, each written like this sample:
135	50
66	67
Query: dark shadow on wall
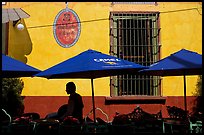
198	107
20	43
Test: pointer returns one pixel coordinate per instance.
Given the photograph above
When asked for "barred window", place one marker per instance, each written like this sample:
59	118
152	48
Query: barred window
135	37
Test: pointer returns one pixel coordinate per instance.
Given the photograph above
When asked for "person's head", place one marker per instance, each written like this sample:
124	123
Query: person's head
70	88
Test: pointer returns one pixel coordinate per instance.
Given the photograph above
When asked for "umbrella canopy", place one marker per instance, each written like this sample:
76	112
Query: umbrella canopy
91	64
177	64
14	68
181	63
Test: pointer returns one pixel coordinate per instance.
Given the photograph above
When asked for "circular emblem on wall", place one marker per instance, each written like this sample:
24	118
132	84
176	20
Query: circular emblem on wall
66	28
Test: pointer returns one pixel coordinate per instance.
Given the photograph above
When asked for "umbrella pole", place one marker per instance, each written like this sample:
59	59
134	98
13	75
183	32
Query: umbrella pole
185	103
93	102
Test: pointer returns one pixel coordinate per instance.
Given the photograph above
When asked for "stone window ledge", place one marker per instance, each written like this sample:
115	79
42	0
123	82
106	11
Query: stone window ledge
135	99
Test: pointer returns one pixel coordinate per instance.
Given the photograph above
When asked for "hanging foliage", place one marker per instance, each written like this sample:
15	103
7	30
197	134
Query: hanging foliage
12	101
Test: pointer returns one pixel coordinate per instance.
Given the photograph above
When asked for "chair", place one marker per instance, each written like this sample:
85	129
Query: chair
100	126
46	126
5	121
31	115
196	127
178	121
25	124
145	122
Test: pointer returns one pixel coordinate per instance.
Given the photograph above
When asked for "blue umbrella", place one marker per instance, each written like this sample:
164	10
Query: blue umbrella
14	68
183	62
91	64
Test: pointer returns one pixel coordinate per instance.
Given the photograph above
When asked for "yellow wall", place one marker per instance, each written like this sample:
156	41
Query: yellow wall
179	29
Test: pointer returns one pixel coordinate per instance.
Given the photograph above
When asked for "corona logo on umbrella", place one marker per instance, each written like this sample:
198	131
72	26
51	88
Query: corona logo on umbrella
66	28
108	61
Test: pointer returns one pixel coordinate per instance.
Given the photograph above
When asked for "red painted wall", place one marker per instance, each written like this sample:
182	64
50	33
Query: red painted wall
48	104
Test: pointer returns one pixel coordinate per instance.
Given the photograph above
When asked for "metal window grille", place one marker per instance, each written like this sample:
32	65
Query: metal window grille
135	37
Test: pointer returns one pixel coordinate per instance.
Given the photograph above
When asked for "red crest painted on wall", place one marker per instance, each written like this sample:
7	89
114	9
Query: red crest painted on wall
66	28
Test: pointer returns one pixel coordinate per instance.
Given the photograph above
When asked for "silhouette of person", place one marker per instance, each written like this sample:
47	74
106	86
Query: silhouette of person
75	103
